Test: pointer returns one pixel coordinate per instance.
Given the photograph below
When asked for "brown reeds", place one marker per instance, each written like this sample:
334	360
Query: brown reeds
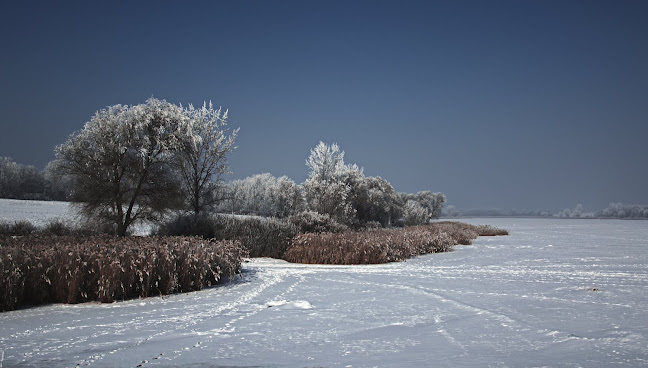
70	269
382	245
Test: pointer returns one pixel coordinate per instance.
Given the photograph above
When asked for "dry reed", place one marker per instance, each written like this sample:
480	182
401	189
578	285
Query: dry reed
71	269
382	245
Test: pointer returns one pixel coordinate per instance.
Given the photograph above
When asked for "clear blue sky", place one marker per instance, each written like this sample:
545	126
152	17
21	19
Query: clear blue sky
510	104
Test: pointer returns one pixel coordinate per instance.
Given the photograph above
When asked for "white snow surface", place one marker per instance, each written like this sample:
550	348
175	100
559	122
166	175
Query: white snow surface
556	292
40	213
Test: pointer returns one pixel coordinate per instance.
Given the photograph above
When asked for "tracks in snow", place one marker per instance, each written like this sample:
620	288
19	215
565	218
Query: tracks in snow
196	326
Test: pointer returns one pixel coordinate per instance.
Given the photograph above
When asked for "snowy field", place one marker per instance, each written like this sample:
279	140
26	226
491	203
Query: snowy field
560	293
40	213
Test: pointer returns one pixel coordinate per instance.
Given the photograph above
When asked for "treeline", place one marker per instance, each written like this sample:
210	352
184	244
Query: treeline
452	211
625	211
351	199
18	181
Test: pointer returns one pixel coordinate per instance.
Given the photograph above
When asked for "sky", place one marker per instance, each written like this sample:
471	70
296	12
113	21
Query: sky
497	104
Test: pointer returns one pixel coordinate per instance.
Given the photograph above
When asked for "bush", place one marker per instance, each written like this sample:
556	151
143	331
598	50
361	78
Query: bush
55	227
260	236
382	245
58	228
314	222
73	269
190	225
21	227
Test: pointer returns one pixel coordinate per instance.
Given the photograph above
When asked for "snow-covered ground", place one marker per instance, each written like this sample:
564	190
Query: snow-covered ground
38	213
553	293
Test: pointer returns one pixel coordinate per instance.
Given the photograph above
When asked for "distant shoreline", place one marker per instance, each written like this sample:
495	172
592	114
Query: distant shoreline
542	217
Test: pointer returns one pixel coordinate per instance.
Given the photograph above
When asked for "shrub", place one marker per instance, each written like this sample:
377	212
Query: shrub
313	222
73	269
189	225
260	236
58	228
20	227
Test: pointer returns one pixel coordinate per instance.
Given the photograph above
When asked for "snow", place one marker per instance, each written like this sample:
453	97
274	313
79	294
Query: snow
40	213
556	292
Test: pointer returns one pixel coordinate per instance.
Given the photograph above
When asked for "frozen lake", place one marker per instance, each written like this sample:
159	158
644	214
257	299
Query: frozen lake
554	293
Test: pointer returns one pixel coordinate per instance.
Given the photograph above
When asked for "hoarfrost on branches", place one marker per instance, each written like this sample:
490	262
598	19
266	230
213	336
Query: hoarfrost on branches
202	157
132	163
264	195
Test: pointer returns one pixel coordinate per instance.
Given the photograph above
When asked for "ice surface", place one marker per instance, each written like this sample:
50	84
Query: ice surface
553	293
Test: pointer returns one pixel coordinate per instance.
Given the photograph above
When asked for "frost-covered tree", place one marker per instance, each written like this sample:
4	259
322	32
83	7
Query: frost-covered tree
324	190
121	162
289	199
326	163
265	195
431	202
20	181
344	193
372	198
8	177
58	186
415	214
253	195
620	210
575	212
202	157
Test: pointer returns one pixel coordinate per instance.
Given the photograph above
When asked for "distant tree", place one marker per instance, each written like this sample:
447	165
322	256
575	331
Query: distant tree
373	198
58	185
20	181
324	190
326	163
289	199
620	210
9	181
120	162
202	157
31	183
575	212
349	197
431	202
265	195
415	214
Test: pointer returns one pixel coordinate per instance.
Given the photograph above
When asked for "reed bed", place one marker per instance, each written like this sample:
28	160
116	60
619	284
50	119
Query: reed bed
72	269
382	245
